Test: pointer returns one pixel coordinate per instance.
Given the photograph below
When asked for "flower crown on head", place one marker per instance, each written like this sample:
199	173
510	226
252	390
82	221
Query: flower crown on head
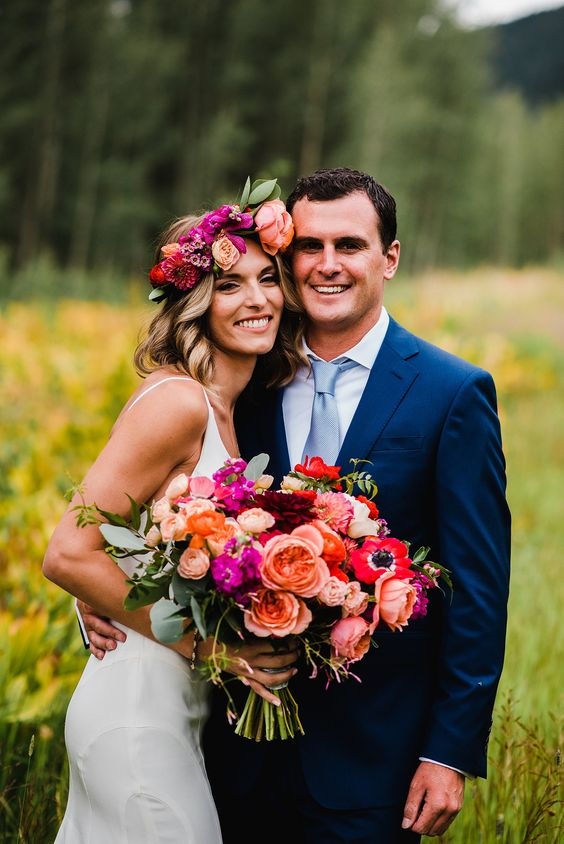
217	243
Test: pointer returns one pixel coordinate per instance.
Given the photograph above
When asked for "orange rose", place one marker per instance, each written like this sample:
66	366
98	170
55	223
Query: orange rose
274	226
293	562
350	638
216	540
333	546
206	522
224	252
277	613
395	599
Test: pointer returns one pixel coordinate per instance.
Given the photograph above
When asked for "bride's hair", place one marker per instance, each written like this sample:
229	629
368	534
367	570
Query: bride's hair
178	335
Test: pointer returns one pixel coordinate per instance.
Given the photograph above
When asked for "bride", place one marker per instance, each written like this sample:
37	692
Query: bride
134	722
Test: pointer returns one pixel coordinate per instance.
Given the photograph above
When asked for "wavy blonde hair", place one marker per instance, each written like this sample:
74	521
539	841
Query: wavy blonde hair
178	335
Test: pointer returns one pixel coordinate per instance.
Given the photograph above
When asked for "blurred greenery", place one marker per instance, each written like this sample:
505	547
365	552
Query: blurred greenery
117	115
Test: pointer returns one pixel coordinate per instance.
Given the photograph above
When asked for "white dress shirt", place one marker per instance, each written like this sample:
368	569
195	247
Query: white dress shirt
298	396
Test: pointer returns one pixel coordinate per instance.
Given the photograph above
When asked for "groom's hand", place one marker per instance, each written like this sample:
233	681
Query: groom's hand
435	798
103	635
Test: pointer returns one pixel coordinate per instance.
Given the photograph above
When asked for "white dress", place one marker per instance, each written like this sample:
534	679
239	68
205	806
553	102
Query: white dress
132	732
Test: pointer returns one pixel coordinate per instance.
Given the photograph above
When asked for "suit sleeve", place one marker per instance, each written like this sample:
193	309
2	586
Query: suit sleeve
474	537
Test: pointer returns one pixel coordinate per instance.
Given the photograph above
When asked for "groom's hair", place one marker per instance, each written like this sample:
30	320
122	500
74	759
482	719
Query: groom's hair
325	185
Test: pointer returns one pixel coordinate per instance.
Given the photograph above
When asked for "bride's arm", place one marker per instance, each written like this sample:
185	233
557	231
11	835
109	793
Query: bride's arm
147	448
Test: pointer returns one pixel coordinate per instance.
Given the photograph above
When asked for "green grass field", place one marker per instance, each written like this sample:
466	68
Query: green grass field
66	370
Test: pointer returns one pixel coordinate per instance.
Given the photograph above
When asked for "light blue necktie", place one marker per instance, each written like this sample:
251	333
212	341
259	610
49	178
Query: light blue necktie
323	439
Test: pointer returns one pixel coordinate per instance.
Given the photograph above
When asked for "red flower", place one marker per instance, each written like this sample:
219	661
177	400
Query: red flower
314	467
377	556
289	509
373	510
157	276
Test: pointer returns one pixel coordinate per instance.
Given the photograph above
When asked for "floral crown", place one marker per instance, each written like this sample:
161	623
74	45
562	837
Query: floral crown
217	243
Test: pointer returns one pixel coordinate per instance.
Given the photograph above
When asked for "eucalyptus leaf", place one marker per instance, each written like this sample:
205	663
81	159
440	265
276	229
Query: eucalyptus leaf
244	201
122	537
158	294
166	623
262	190
198	617
183	589
256	466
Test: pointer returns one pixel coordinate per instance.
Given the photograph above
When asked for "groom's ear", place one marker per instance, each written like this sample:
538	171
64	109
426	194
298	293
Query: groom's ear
392	255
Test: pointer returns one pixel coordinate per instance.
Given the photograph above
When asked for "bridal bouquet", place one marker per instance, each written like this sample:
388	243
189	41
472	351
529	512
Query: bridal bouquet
230	558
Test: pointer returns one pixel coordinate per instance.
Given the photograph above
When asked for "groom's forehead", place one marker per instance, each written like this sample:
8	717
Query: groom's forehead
334	219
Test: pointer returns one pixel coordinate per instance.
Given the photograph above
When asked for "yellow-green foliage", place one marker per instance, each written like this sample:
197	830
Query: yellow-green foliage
66	371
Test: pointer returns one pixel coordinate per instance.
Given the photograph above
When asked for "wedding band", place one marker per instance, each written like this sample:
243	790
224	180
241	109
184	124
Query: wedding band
274	670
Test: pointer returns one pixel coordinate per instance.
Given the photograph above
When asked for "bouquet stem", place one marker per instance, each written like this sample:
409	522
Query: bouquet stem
263	720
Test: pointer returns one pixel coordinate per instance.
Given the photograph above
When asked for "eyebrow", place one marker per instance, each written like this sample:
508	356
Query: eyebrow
338	240
270	267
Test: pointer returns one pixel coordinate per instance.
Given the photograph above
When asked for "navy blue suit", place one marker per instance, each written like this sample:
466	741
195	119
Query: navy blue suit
428	423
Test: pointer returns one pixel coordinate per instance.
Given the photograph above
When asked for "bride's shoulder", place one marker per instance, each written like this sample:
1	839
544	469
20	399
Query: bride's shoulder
167	393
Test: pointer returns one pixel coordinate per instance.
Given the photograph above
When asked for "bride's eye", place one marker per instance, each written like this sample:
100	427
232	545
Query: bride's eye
227	286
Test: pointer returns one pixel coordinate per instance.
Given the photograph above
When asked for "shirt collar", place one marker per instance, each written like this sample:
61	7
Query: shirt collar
366	350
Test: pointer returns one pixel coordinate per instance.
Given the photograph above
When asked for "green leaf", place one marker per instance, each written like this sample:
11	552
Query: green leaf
184	589
135	513
244	201
198	617
421	554
256	466
166	622
263	190
143	593
158	294
122	537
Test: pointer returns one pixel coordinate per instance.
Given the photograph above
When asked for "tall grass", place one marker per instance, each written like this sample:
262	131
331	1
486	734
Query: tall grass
66	370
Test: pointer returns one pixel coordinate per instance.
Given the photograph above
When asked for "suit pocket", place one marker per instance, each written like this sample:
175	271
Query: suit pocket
400	444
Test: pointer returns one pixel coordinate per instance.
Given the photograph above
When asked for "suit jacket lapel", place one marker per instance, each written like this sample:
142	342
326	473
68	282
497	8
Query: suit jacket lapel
390	379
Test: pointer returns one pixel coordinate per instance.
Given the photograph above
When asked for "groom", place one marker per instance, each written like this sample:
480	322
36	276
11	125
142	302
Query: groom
383	760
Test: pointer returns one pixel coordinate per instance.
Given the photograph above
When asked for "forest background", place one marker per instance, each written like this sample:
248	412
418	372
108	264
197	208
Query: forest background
117	115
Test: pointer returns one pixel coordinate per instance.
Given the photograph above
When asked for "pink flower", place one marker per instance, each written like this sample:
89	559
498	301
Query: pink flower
196	505
395	600
169	249
255	520
153	536
177	487
335	509
293	562
274	226
350	638
201	487
160	509
356	601
275	612
174	527
225	252
193	564
333	593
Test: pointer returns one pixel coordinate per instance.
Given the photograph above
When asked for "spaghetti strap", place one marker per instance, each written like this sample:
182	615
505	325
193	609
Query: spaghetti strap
213	452
163	381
